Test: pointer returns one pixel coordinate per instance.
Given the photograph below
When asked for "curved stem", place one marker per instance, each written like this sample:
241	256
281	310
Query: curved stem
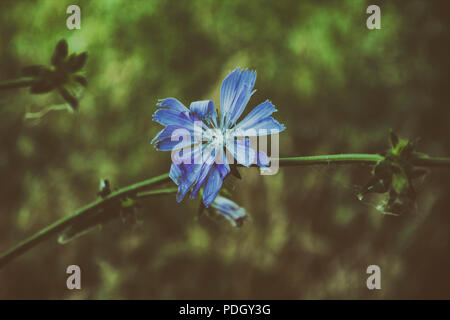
79	214
16	83
43	112
139	190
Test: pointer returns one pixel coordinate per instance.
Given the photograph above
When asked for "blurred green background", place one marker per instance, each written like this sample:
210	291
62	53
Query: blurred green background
339	88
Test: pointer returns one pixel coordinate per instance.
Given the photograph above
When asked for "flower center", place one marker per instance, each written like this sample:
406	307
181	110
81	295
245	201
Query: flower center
217	138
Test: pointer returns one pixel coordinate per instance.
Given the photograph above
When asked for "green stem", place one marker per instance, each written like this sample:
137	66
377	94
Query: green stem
360	158
78	215
437	162
16	83
139	190
159	192
351	158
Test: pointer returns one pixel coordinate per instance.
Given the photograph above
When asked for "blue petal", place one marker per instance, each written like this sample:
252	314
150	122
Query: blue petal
224	169
165	139
166	133
235	93
240	104
204	173
260	112
173	104
188	155
215	179
190	173
168	117
175	173
230	210
242	152
205	110
209	160
263	127
169	145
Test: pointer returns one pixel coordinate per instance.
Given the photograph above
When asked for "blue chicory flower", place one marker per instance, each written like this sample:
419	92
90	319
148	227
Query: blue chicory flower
230	210
207	133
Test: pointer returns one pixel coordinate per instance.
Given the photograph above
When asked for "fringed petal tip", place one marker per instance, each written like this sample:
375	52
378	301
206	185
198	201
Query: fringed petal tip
240	69
173	104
